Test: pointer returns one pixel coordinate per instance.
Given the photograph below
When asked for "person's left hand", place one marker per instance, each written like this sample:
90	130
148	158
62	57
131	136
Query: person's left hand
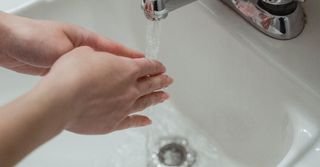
32	46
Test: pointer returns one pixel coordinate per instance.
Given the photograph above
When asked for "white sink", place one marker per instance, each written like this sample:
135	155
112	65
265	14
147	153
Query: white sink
240	97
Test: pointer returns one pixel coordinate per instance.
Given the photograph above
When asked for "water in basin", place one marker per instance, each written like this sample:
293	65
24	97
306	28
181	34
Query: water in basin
169	123
170	127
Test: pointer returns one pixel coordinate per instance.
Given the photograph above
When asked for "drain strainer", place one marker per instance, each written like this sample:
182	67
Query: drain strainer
173	152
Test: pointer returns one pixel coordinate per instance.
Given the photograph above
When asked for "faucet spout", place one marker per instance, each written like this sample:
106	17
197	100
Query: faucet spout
159	9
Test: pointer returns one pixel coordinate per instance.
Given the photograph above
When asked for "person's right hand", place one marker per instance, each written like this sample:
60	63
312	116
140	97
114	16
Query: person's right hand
97	92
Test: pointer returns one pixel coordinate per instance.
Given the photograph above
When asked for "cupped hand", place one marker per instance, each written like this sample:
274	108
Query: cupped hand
32	46
99	92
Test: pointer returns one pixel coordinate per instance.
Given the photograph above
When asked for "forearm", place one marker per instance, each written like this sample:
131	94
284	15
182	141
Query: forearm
26	123
5	34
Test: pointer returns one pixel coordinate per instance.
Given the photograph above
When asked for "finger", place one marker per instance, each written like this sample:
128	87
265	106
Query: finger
149	67
108	45
149	100
134	121
152	84
82	37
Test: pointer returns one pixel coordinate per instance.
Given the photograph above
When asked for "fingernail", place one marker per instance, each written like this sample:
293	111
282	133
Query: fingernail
164	97
169	80
147	122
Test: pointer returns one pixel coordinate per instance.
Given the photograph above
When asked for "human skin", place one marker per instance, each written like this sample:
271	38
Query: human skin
32	46
91	85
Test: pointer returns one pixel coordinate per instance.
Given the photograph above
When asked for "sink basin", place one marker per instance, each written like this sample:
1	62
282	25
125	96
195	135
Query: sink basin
240	97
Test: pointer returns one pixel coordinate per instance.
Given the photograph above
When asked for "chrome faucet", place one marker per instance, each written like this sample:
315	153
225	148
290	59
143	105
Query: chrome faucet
280	19
156	10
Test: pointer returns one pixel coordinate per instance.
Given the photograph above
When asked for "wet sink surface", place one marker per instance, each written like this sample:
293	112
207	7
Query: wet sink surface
254	99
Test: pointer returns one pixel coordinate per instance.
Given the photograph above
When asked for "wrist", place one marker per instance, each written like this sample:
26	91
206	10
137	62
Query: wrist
37	116
56	101
52	105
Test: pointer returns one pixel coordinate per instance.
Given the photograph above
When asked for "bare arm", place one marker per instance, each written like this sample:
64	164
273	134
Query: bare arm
99	94
26	123
85	90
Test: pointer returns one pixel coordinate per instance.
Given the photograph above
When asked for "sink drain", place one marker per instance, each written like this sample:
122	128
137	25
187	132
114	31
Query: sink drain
173	152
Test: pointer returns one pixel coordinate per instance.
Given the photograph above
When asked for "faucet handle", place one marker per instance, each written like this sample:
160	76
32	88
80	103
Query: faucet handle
281	2
279	7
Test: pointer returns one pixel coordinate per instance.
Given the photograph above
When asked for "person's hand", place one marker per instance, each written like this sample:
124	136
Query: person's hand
97	92
32	46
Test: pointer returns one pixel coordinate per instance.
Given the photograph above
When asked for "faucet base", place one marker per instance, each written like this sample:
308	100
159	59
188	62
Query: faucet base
283	26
